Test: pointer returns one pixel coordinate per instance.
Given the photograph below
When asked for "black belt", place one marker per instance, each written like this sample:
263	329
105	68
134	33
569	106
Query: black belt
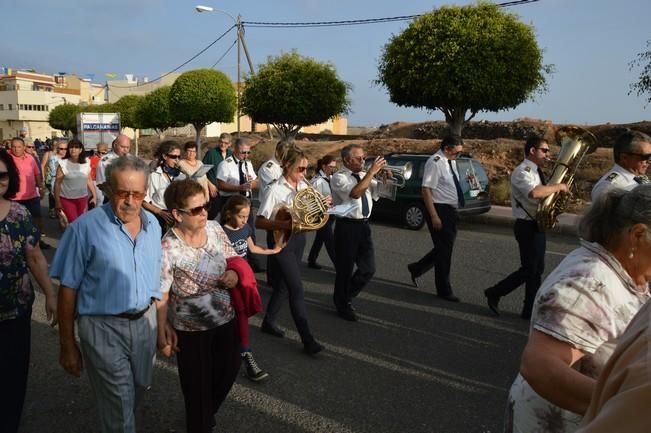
353	220
134	316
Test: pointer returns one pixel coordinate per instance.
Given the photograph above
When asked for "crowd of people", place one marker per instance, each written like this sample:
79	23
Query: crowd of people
177	237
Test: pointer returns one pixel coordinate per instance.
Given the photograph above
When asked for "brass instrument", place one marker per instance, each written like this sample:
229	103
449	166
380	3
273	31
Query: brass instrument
392	177
307	212
576	143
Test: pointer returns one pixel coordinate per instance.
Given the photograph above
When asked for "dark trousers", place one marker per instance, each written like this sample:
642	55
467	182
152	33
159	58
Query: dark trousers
284	271
531	242
216	205
440	257
353	246
323	236
15	336
208	362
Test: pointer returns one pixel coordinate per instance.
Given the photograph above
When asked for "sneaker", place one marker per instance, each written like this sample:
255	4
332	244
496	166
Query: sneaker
253	371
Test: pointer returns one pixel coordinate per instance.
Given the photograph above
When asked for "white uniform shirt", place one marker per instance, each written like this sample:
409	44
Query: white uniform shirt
268	172
321	183
158	183
437	176
278	194
343	182
229	171
616	177
524	179
100	173
75	179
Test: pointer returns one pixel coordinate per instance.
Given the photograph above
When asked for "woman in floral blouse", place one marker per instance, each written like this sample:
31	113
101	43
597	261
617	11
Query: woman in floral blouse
19	252
198	324
581	310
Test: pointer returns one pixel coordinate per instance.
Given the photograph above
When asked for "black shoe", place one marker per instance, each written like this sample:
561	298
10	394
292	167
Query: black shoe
312	348
270	329
314	265
449	298
492	302
412	273
347	314
253	371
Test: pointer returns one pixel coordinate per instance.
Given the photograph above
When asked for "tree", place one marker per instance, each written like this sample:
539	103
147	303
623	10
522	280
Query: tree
202	96
64	117
154	110
463	59
291	92
127	106
643	84
99	108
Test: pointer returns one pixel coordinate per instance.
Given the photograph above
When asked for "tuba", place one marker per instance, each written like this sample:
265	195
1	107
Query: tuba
307	212
576	143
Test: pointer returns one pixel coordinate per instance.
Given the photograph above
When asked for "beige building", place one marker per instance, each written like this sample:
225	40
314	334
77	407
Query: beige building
26	99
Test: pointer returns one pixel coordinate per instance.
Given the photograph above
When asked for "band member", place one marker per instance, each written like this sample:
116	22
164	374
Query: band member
442	195
528	187
285	267
632	154
271	170
324	236
353	243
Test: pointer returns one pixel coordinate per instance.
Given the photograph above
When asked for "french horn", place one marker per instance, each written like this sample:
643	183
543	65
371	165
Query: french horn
308	211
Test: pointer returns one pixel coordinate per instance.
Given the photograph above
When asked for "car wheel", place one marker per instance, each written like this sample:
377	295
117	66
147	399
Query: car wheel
415	216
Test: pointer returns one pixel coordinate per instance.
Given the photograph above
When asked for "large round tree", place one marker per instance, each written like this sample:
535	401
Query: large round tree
291	91
154	110
64	117
463	60
202	96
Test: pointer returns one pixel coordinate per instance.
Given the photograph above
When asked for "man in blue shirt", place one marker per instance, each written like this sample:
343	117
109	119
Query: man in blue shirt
108	263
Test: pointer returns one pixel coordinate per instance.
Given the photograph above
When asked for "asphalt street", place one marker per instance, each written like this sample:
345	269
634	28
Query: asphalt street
413	363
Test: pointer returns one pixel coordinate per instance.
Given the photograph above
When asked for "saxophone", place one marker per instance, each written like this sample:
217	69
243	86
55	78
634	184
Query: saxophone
576	143
308	211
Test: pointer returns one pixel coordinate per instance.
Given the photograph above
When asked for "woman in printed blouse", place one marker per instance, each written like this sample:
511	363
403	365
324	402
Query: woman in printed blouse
196	317
20	252
581	310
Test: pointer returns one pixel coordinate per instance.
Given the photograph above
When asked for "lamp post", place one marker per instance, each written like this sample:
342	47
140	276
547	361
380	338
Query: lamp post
240	43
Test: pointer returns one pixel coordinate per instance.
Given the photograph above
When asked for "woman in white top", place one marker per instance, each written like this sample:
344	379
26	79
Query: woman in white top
190	166
73	182
321	182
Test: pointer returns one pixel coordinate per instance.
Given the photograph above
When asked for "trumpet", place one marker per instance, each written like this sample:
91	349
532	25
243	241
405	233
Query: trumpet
392	177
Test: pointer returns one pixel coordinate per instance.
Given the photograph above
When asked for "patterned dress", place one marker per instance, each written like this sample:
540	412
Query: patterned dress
587	302
17	236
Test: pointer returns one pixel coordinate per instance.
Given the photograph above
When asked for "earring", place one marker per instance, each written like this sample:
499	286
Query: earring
632	253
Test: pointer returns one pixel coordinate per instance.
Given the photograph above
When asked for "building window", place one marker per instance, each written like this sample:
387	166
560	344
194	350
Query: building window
11	107
2	107
21	106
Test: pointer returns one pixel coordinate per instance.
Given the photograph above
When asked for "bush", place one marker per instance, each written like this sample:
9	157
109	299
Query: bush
500	191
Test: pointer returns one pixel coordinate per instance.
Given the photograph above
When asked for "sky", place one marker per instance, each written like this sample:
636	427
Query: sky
590	43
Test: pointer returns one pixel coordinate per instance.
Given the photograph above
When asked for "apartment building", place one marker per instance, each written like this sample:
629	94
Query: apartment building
26	99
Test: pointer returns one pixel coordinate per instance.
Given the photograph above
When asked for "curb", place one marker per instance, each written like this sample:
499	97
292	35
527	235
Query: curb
502	216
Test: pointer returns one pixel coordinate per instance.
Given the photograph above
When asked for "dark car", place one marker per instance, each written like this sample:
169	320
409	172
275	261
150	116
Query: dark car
408	204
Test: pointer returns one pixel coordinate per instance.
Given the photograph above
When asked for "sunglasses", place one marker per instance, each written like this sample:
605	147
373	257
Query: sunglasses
4	175
103	153
301	169
172	156
642	156
245	152
196	210
62	148
30	147
123	194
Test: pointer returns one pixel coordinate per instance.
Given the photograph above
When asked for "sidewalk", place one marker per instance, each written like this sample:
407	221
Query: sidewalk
503	215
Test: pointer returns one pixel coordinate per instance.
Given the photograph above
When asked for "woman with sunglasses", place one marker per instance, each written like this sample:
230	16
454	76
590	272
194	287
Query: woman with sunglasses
73	182
196	316
20	252
284	268
166	172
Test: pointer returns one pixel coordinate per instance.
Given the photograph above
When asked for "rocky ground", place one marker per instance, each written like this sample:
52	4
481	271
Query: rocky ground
498	145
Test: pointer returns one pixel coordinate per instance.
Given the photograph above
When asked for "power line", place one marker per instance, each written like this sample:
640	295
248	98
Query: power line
224	55
182	64
266	24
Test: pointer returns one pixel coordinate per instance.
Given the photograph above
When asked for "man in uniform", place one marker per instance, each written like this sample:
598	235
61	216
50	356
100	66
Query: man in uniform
632	154
528	187
353	242
214	157
120	147
442	196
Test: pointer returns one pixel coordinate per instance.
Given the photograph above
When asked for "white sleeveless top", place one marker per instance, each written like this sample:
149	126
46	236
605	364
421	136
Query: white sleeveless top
75	179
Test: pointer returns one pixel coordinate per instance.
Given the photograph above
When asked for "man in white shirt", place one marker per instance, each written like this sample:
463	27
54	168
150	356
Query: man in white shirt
353	242
632	154
528	187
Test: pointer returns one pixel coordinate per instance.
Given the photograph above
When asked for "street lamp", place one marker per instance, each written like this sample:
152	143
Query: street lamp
240	42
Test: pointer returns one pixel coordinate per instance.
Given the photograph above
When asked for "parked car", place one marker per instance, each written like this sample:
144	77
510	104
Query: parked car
408	205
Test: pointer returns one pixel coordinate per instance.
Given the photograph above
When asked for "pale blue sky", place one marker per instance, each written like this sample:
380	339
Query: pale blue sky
590	42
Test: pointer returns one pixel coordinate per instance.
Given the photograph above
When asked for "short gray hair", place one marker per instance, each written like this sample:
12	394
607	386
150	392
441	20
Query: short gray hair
629	142
346	151
613	213
124	163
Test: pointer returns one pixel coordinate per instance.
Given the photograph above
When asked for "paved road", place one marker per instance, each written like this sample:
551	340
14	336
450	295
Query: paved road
412	364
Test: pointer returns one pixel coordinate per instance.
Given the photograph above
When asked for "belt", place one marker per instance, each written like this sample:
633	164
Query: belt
353	220
133	316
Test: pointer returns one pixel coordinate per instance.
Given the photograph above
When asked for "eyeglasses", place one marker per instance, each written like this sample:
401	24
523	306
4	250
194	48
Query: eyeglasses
544	149
301	169
123	194
102	152
245	152
62	148
332	167
4	175
30	147
196	210
172	156
642	156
